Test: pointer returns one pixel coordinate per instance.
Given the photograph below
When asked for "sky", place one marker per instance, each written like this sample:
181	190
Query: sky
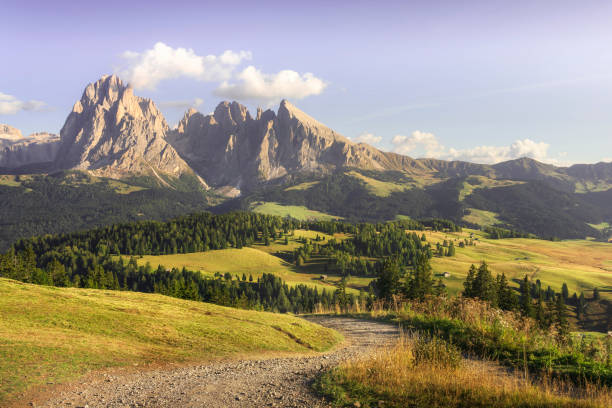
483	81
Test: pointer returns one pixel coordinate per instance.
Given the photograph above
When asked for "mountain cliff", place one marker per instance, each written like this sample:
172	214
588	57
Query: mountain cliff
18	151
230	147
114	133
288	158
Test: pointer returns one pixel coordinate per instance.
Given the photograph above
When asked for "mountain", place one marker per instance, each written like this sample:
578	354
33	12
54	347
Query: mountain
9	134
113	133
17	151
128	155
230	147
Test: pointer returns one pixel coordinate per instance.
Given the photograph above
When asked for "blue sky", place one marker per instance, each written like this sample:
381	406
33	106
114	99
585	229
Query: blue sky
475	80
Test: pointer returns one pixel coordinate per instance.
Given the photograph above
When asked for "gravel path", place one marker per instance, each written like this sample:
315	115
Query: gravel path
275	382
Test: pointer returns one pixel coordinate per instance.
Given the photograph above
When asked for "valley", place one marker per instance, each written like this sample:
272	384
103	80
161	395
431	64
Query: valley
393	204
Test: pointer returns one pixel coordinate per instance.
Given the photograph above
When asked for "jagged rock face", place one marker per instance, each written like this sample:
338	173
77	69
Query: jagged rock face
115	134
9	134
229	147
21	151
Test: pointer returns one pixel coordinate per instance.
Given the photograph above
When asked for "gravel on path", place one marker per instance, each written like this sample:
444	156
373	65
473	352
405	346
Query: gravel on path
272	382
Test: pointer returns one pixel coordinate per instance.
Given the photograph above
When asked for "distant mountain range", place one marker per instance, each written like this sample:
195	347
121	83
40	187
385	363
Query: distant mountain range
289	158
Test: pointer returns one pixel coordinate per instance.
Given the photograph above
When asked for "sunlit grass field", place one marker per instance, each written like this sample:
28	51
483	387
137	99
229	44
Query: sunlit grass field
295	211
52	335
259	259
582	264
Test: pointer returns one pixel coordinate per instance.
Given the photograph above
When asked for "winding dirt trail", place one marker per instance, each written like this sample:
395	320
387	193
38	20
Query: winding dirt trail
274	382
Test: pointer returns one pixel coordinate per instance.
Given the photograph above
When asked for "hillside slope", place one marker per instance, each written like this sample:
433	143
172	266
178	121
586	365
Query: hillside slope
52	335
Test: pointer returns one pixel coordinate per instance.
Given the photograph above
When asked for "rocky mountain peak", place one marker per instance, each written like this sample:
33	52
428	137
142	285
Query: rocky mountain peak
115	133
231	114
9	133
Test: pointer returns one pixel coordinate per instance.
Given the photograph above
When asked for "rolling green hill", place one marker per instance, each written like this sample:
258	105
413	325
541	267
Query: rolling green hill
582	264
53	335
71	201
536	200
259	259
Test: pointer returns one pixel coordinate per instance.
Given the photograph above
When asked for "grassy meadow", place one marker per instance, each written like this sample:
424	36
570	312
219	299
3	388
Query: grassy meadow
582	264
53	335
259	259
295	211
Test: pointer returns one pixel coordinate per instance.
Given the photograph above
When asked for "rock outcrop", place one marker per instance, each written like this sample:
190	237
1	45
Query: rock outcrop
18	151
9	135
114	133
230	147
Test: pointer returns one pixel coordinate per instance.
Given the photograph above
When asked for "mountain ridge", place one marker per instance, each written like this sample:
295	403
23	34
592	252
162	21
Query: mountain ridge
242	158
112	132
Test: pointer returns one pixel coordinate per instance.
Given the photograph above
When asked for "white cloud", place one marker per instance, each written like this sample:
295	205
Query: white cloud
270	88
426	141
496	154
9	105
183	104
428	145
144	70
368	138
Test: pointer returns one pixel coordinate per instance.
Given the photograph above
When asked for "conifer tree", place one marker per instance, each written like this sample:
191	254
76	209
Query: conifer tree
420	282
596	295
506	297
468	284
565	292
561	317
388	282
526	305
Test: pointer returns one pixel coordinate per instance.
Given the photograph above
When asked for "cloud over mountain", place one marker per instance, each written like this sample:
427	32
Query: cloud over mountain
369	138
144	70
428	145
254	85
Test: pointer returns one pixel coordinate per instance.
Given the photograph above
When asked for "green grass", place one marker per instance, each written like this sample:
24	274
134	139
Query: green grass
482	332
482	217
601	226
582	264
250	261
10	181
53	335
295	211
582	187
260	259
302	186
424	372
123	188
475	182
380	188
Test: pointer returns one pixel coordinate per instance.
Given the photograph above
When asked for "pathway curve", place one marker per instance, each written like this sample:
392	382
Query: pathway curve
273	382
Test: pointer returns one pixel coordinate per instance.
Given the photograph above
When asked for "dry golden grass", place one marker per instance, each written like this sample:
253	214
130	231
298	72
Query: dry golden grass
396	376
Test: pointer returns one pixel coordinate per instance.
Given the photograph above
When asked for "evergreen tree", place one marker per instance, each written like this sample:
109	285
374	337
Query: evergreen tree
468	284
561	317
526	304
565	292
439	288
483	286
540	312
451	249
581	306
596	295
506	298
388	282
420	282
